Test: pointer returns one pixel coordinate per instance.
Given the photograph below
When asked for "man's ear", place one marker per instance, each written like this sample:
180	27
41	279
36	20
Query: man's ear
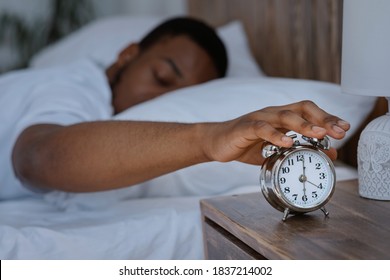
128	54
124	57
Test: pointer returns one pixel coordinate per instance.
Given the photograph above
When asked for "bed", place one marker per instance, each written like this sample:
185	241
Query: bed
289	48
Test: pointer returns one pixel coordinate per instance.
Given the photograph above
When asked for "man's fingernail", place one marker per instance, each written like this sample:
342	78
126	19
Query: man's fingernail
286	139
343	123
338	129
317	129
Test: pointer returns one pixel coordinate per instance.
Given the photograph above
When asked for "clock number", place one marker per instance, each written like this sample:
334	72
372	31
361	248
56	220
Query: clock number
290	161
322	175
285	170
282	180
309	159
286	190
304	198
318	165
320	186
314	194
300	158
295	196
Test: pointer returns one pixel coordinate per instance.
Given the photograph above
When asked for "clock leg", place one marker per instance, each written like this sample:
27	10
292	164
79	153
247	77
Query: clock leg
286	212
326	213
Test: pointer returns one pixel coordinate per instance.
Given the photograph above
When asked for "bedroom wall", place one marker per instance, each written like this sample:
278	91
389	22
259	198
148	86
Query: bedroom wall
140	7
33	13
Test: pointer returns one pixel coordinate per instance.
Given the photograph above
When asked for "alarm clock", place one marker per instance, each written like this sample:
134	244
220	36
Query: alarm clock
298	179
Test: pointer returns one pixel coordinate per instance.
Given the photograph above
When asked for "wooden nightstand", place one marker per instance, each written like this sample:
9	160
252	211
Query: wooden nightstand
247	227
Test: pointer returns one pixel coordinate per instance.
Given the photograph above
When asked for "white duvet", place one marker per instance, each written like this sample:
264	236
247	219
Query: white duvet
147	228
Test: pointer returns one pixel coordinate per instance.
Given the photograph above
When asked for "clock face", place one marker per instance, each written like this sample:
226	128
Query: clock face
305	178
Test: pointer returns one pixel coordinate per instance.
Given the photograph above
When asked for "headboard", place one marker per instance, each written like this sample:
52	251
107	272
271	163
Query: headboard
290	38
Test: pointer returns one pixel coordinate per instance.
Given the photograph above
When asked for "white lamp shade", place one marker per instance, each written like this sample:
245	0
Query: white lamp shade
366	47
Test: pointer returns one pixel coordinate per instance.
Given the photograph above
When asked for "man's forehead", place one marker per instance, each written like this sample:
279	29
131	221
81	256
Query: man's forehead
185	54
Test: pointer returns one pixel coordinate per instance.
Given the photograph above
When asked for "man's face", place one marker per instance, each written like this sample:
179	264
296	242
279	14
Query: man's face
171	63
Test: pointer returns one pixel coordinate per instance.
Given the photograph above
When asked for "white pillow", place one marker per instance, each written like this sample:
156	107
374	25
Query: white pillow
220	100
103	39
229	98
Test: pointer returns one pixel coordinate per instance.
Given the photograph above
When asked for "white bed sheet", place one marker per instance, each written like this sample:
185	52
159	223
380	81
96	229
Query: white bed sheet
148	228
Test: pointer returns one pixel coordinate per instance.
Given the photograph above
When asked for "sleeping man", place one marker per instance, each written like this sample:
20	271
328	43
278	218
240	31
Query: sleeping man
56	132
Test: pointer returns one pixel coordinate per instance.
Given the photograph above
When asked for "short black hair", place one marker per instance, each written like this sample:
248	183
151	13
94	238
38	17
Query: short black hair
200	32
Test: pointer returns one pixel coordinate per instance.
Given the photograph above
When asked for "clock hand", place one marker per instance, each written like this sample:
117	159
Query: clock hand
304	179
313	184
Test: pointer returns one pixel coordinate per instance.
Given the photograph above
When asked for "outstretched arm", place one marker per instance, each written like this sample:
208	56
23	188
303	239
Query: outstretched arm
95	156
105	155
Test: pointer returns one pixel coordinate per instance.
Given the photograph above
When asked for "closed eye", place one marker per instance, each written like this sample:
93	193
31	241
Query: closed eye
174	67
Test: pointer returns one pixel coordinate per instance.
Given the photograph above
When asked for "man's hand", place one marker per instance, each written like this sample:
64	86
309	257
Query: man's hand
242	138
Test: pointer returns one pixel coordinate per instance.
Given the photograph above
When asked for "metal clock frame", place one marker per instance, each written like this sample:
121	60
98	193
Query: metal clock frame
271	188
